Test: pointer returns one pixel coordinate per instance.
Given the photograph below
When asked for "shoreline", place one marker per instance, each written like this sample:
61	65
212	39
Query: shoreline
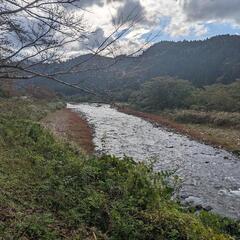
70	126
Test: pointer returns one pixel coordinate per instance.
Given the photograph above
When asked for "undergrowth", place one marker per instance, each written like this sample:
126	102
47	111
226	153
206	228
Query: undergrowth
220	119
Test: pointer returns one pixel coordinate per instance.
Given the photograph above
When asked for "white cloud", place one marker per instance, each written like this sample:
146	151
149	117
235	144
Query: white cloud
184	18
152	13
212	10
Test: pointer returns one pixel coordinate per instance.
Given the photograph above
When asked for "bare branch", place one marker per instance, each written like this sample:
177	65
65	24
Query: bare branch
50	28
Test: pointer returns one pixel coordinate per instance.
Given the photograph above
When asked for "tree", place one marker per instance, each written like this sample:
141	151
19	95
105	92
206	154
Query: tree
164	92
218	97
34	32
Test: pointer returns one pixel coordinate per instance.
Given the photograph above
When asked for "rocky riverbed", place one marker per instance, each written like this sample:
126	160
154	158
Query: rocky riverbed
210	176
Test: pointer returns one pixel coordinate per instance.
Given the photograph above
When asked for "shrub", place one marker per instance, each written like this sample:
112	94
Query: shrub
168	93
163	92
218	97
223	119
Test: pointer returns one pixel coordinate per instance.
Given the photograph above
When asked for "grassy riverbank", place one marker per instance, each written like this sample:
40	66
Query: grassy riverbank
220	129
50	190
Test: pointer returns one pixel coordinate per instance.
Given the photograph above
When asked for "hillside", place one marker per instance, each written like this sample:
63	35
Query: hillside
215	60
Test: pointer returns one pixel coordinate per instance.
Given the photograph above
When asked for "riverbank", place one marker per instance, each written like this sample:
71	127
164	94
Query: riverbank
223	138
72	127
208	175
48	190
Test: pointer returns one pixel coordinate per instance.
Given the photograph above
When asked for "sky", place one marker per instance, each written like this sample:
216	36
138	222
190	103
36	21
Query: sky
161	19
143	23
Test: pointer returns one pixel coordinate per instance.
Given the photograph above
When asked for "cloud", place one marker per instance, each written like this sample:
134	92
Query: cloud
130	11
95	39
87	3
176	19
212	10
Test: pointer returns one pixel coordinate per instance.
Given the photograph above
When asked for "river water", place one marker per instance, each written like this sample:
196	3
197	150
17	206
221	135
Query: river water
210	176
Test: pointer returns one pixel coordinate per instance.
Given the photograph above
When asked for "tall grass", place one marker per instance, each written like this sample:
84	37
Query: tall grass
222	119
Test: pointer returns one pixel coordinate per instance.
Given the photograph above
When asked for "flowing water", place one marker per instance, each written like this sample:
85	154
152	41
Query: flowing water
211	177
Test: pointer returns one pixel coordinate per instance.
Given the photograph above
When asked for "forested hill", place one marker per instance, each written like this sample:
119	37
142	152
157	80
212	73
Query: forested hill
201	62
215	60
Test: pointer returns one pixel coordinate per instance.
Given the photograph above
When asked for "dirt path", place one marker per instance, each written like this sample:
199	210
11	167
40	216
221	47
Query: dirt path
70	126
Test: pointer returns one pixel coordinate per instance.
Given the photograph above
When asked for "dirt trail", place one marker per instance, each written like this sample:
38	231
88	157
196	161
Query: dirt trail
72	127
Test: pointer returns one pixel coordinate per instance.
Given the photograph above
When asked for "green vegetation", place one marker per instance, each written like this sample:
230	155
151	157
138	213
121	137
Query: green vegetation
27	109
220	119
3	94
49	190
163	93
211	61
218	97
169	93
211	113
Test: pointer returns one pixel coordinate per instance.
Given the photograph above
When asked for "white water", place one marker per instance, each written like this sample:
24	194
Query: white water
211	177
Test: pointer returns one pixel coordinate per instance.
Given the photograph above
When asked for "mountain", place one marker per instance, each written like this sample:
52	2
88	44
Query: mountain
215	60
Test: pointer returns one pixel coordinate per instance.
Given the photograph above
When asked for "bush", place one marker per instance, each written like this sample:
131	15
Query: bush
163	92
222	119
168	93
221	224
218	97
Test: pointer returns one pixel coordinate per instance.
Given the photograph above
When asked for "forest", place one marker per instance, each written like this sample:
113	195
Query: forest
206	62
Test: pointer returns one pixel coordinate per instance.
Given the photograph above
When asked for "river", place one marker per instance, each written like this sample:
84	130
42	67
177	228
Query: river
210	176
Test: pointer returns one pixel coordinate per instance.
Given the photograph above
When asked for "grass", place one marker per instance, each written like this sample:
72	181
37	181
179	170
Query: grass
229	138
220	128
218	119
49	190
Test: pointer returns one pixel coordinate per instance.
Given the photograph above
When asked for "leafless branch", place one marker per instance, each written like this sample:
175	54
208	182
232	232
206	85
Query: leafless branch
33	32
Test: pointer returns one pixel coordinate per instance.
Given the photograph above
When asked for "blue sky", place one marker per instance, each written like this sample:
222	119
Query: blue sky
170	19
213	29
143	22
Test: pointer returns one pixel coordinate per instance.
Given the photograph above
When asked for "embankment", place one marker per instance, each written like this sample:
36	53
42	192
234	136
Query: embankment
72	127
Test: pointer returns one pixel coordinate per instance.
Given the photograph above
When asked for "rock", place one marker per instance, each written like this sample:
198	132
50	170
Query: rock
184	196
208	208
194	201
236	192
197	203
198	207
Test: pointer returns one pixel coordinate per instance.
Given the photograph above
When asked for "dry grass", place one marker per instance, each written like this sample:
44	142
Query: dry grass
228	138
70	126
221	137
220	119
